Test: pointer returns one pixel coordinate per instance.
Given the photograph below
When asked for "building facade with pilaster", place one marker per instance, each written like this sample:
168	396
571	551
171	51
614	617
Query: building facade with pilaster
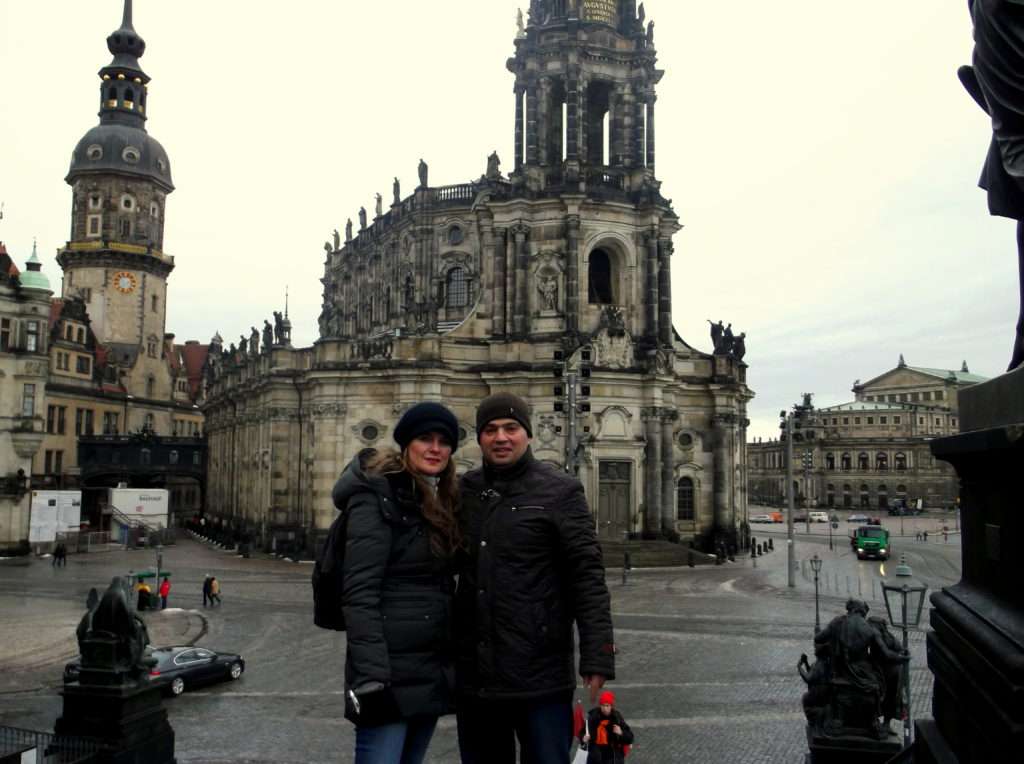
455	292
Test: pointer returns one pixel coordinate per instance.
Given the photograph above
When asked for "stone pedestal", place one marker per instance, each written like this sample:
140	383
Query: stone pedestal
976	646
850	750
130	721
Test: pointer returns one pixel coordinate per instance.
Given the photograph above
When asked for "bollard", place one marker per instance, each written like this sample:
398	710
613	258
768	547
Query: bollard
626	566
689	558
753	552
771	544
759	551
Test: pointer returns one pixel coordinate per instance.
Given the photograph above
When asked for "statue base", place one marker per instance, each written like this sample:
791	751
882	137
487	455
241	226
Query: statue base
976	646
129	721
850	749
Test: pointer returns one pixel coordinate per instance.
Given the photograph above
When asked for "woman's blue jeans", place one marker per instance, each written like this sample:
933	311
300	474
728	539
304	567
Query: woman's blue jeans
403	742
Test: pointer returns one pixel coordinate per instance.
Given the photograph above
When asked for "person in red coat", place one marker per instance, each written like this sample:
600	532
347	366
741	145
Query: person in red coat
606	735
165	590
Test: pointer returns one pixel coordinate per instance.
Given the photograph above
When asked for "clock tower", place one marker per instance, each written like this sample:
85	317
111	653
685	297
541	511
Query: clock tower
114	259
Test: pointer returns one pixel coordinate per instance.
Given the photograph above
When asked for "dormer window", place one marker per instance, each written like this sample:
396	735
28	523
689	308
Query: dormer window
131	154
94	152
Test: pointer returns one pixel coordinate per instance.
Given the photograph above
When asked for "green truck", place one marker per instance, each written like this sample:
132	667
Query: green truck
871	541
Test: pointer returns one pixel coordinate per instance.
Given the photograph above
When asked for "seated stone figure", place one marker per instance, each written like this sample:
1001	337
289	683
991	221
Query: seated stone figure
849	684
112	639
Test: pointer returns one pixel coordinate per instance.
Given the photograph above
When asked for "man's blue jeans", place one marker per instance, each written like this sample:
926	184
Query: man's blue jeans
403	742
488	730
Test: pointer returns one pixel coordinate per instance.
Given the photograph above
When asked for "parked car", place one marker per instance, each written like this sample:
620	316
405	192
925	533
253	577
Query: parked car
874	521
760	518
800	517
857	519
180	667
819	517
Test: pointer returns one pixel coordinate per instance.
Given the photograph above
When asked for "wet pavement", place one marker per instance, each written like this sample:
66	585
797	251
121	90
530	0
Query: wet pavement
707	662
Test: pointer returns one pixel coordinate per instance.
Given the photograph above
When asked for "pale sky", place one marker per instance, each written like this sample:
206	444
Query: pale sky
822	157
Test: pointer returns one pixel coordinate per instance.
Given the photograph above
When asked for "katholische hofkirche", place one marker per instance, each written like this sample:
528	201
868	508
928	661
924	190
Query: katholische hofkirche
552	282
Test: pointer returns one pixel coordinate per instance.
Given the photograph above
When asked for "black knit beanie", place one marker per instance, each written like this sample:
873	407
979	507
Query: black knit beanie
503	406
427	417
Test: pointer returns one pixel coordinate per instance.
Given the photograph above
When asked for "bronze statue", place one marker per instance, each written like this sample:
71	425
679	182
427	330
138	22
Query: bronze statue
852	677
996	84
112	639
739	346
278	327
716	335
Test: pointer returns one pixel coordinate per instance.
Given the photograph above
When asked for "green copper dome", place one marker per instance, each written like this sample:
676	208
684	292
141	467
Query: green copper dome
33	277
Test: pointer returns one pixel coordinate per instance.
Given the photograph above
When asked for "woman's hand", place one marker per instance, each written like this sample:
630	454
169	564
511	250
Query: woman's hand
586	738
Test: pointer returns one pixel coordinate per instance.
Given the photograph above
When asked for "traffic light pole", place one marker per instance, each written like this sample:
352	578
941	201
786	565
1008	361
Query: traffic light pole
790	542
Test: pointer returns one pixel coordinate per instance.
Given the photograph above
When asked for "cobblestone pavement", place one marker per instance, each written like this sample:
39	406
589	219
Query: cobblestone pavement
707	662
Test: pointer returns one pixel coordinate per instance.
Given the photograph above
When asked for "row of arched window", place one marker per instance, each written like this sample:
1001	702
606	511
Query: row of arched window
881	461
881	494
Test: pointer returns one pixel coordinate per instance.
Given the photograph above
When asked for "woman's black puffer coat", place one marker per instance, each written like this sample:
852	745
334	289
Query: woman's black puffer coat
397	596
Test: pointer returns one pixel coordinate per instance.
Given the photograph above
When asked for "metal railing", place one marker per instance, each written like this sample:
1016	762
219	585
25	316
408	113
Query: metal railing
46	748
86	542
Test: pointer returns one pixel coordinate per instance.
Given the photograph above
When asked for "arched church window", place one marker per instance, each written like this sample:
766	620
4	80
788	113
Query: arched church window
456	289
684	499
455	235
862	461
599	273
150	386
126	229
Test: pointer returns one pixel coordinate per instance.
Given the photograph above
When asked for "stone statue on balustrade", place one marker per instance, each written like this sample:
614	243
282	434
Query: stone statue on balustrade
396	192
243	346
268	336
853	687
348	230
379	209
716	335
279	338
996	83
254	342
362	218
112	639
493	166
739	346
337	240
423	171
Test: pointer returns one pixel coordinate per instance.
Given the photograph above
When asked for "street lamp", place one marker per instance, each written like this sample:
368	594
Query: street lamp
816	567
904	601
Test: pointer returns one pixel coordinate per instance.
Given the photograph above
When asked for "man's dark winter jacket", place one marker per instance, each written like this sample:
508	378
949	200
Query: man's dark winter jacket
612	753
533	568
396	597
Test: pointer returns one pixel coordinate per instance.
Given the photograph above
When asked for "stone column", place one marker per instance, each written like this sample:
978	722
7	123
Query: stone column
519	128
637	137
544	122
522	273
584	120
572	109
668	464
497	256
652	472
652	290
531	124
617	127
572	274
510	280
650	133
665	291
721	425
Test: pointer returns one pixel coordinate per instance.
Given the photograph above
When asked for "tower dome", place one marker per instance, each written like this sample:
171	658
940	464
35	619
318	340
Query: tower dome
33	276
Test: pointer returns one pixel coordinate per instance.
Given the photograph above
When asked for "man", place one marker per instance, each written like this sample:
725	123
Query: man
533	567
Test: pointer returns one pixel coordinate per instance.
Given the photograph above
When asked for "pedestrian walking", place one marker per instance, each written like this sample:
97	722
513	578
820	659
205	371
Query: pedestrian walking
533	569
206	590
606	734
165	591
214	591
401	536
144	595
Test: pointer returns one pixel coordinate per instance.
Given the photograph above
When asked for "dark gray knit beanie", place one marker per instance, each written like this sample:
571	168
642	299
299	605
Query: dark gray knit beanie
503	406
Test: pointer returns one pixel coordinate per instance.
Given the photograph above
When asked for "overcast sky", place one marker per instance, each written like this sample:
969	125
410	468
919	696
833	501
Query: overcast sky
822	157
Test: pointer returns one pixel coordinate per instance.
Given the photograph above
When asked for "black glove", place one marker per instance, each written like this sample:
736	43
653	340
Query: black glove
371	704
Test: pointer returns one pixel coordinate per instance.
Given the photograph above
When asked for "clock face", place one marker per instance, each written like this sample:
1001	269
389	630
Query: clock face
125	282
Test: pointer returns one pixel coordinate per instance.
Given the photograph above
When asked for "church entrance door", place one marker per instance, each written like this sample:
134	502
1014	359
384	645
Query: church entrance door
613	505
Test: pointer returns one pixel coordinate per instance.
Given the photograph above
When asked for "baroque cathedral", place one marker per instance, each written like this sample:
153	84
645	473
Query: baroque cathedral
552	282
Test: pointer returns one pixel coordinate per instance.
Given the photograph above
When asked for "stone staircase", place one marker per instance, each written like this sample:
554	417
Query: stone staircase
650	554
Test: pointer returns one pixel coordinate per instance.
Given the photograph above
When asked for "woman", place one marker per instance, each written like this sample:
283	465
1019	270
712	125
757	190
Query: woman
607	735
401	535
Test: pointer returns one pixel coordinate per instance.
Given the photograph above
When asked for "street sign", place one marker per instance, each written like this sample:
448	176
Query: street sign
835	525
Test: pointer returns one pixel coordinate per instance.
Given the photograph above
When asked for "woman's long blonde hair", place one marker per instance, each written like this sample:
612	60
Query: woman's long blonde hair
439	504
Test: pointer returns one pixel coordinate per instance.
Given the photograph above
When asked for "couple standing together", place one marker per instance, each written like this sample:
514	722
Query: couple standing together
498	650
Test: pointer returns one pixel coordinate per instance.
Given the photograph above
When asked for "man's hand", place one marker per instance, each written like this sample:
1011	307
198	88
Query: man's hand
616	729
586	739
595	682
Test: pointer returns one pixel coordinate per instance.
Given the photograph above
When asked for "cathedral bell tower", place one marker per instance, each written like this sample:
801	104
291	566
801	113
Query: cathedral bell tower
585	91
120	178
